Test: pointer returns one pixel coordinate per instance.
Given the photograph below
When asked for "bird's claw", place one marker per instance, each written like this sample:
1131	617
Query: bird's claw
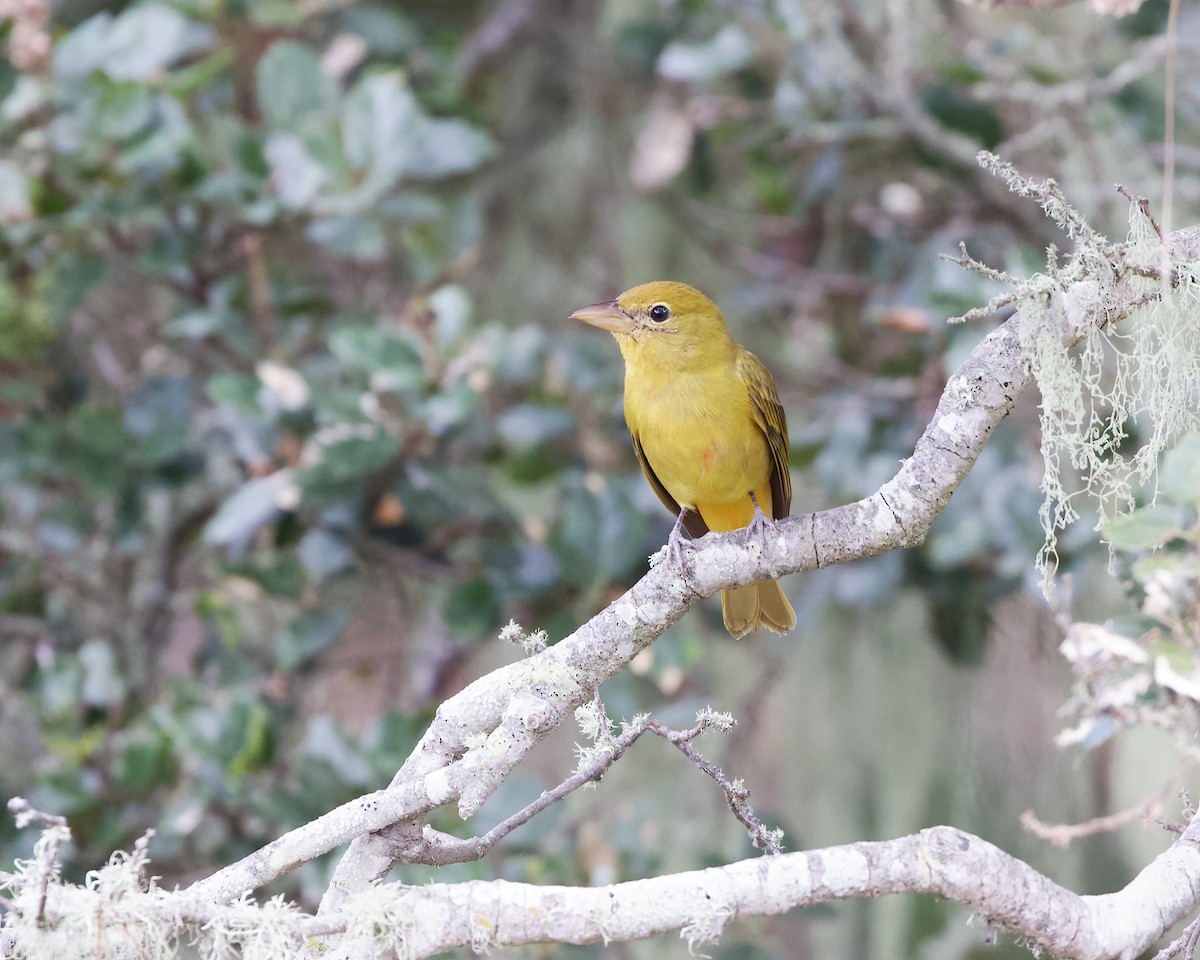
676	545
759	524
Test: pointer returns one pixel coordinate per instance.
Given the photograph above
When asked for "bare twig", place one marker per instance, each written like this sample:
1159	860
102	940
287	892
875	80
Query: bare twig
1048	97
1184	945
736	794
1143	204
441	848
1061	834
1022	4
503	26
968	262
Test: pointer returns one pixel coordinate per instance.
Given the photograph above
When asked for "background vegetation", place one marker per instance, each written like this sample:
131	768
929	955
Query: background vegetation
294	421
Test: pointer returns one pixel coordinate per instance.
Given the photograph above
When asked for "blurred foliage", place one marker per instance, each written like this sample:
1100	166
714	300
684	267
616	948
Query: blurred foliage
288	396
1142	667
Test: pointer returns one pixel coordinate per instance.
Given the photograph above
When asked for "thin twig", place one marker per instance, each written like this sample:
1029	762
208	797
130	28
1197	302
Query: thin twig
1182	946
1061	834
1047	98
441	848
968	262
736	794
1143	204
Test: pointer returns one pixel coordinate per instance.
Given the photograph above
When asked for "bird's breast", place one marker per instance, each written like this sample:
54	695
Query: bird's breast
699	435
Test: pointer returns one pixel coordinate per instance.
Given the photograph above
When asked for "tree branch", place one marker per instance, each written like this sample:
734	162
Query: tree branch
941	860
420	921
1061	834
478	736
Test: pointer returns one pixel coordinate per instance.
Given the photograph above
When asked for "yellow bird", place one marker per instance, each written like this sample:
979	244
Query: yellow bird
707	426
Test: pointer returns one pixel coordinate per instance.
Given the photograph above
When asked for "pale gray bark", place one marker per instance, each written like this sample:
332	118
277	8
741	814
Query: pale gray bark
942	860
394	920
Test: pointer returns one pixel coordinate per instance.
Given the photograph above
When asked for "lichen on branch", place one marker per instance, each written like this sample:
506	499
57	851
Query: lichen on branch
1113	341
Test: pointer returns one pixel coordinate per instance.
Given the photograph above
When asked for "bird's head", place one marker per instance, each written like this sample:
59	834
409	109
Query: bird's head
663	320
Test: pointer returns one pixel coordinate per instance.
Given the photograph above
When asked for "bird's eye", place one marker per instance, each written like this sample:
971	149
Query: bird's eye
659	312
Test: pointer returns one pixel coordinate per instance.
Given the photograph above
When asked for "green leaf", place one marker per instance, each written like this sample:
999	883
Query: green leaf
156	416
25	326
386	135
195	325
360	238
958	112
375	350
138	44
347	461
77	747
387	31
237	390
1141	530
291	87
451	306
16	203
323	553
530	424
148	764
729	50
472	608
449	408
67	281
328	751
103	684
257	743
308	635
195	77
277	13
1180	475
280	574
600	535
295	174
253	504
446	148
379	126
22	392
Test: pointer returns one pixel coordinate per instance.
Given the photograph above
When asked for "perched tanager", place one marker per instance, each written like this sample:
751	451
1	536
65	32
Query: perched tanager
707	426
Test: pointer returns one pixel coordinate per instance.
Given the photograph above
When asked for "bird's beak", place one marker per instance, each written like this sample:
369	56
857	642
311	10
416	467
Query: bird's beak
606	316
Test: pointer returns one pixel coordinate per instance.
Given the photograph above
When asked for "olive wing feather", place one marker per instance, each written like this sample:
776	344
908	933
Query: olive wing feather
771	419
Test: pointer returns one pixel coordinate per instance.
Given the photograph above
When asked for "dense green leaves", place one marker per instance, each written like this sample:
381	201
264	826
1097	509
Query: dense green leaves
291	87
293	418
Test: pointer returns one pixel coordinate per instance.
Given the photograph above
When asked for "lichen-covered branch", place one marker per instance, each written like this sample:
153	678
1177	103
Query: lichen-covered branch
479	735
391	920
943	861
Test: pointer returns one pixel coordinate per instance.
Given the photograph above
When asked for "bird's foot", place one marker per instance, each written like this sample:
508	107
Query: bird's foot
759	524
676	545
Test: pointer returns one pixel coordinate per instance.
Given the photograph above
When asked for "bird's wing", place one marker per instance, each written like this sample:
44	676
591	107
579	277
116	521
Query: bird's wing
691	520
769	415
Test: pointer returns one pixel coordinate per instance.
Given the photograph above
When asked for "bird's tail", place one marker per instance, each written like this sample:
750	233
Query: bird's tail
758	605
